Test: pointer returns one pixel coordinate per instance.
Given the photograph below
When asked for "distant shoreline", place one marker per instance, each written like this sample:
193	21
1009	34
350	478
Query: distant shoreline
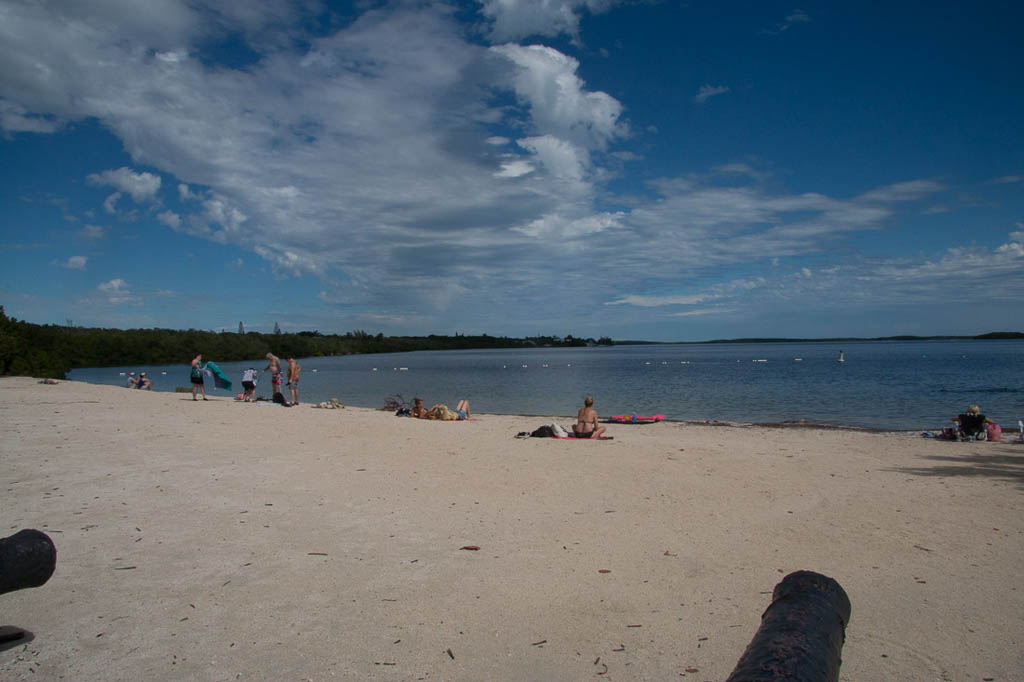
990	336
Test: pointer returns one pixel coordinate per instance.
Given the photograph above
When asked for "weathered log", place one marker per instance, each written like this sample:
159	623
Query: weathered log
801	634
27	559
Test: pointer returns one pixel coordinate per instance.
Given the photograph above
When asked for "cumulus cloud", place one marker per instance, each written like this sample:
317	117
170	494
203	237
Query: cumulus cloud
518	19
73	263
170	219
117	292
140	186
706	92
560	106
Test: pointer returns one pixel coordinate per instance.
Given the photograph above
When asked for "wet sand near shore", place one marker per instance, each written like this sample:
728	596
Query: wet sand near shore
228	541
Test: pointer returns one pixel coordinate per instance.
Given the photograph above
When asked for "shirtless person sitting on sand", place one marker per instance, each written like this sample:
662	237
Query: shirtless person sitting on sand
586	421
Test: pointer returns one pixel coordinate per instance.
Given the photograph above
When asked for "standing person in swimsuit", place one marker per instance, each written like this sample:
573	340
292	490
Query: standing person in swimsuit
586	421
274	367
196	377
293	379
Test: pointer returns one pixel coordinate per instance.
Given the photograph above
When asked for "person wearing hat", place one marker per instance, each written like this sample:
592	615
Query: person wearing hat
972	424
132	381
144	382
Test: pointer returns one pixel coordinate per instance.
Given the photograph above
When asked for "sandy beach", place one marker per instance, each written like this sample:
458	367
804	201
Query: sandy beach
227	541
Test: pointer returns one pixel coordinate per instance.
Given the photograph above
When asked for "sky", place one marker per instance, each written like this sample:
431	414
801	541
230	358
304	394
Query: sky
659	170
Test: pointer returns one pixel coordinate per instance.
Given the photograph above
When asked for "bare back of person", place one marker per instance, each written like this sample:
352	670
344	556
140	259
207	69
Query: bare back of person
586	425
586	421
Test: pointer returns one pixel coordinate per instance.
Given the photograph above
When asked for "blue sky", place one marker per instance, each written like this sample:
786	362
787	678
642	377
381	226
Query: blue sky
655	170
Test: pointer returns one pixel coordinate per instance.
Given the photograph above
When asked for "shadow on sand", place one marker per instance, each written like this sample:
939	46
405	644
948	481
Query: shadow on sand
1000	461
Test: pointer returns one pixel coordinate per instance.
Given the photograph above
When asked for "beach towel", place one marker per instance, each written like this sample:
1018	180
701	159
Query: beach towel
220	379
633	419
575	438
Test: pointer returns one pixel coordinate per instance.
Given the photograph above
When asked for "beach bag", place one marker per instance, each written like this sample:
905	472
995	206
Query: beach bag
995	432
559	432
543	432
279	399
948	433
403	412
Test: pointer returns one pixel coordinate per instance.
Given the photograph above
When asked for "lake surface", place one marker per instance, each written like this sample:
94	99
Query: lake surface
881	384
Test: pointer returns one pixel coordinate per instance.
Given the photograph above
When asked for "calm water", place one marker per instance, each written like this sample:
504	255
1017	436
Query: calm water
898	385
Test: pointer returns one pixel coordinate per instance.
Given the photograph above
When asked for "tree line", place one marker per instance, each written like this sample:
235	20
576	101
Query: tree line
50	351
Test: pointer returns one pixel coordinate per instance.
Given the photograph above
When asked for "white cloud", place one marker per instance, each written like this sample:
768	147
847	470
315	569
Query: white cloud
913	190
514	169
110	203
706	92
561	158
563	227
73	263
517	19
117	292
658	301
170	219
15	119
93	231
797	16
185	194
140	186
546	80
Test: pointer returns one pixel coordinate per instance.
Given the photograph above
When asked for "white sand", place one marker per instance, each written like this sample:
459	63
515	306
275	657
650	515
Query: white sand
231	541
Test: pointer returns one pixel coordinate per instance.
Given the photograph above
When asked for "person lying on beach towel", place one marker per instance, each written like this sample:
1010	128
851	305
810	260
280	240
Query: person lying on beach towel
441	412
586	425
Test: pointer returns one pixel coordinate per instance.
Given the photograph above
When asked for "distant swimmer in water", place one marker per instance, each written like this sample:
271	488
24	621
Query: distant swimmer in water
841	358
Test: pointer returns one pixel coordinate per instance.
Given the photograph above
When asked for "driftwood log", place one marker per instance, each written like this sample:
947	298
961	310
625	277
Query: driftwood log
801	635
27	559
